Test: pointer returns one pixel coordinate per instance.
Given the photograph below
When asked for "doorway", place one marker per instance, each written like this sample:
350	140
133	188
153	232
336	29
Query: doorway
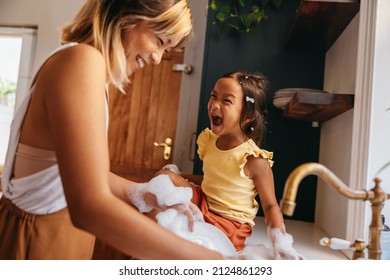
143	120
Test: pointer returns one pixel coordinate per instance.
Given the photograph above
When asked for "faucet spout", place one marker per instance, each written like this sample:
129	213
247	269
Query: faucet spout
376	196
287	203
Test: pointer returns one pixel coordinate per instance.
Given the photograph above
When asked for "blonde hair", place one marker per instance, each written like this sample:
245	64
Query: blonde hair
100	23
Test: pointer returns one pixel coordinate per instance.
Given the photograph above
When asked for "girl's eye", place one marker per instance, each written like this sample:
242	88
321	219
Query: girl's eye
228	101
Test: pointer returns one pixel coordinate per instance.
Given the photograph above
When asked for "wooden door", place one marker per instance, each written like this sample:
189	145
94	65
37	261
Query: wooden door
146	114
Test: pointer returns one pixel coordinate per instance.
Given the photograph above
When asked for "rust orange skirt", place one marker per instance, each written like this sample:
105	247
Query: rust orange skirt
235	231
46	237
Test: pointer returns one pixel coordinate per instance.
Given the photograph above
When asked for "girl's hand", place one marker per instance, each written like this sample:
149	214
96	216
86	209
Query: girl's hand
281	243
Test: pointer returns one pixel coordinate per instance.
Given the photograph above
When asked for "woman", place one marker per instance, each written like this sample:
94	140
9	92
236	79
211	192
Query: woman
58	191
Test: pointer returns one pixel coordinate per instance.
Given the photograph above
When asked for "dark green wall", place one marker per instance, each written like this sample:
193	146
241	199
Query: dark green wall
293	142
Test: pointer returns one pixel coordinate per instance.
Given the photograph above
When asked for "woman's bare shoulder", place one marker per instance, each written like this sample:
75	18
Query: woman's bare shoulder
79	63
80	55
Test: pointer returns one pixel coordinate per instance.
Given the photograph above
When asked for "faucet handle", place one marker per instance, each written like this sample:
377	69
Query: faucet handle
335	243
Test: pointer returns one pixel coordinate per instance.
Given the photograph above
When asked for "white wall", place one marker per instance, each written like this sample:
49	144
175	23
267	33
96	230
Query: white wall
379	145
336	134
190	91
355	145
48	15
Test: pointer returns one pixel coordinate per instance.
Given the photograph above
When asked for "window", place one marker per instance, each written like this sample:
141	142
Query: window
17	49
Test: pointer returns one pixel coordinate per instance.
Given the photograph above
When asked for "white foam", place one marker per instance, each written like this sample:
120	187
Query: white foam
282	245
256	252
168	195
165	191
203	233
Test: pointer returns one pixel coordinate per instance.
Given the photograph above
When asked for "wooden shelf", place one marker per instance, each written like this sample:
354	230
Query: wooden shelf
317	106
318	23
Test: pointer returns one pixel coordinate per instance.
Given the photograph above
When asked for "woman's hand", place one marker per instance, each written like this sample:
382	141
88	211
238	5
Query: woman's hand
192	212
159	195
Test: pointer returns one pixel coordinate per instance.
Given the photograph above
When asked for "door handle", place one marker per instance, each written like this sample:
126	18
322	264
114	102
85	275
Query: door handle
186	68
167	147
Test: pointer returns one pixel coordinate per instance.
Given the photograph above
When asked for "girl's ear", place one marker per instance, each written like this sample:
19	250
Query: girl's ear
249	120
246	121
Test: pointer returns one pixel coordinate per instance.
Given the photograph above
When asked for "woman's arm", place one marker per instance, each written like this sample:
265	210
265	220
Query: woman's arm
73	85
181	179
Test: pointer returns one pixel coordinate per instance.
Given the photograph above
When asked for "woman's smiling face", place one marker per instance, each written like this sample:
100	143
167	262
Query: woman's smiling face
225	106
142	46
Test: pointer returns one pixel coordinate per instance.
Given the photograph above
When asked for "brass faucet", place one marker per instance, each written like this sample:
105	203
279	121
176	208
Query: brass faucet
376	196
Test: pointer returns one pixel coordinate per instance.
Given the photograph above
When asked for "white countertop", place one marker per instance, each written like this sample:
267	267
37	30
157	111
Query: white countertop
306	239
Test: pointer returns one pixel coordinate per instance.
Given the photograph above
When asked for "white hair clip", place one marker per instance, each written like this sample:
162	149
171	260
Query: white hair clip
248	99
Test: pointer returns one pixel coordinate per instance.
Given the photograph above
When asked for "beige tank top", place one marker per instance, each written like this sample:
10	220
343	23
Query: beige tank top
30	160
31	178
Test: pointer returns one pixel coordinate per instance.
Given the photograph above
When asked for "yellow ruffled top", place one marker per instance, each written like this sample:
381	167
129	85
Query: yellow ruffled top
230	193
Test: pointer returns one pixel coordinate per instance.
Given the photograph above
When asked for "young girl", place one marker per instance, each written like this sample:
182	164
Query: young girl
235	169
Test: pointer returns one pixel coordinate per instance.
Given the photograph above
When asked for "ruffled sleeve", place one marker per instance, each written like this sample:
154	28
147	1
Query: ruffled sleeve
202	141
255	151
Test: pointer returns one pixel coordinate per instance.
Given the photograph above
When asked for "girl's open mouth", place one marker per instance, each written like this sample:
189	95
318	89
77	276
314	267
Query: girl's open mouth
217	120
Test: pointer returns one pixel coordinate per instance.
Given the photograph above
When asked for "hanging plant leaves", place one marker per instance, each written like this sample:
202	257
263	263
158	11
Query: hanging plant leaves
240	15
